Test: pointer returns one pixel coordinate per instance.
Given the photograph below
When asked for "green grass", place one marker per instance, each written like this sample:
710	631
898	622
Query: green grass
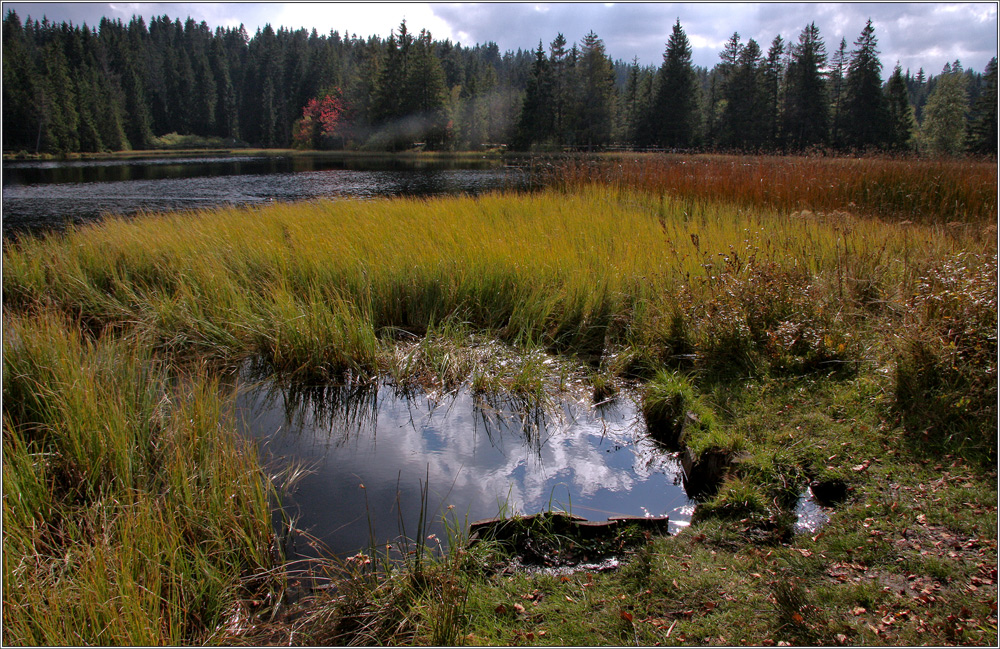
798	336
131	515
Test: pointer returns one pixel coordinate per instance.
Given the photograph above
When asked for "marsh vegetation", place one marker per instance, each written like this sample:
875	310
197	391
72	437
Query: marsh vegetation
794	321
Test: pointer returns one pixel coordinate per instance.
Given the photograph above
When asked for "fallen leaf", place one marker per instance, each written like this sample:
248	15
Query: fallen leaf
626	616
797	618
500	609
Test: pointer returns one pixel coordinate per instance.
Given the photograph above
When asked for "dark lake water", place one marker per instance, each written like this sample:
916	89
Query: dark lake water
44	196
370	452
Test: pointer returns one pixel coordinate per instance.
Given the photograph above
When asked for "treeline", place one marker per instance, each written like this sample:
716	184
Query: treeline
118	87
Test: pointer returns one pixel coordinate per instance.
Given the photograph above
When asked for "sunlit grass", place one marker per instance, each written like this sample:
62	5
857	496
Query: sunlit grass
131	514
317	285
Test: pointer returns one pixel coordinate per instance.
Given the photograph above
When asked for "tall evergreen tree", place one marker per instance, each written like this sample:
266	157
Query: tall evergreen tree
424	94
982	133
675	109
806	118
745	115
22	121
536	121
774	72
866	109
598	105
901	120
838	72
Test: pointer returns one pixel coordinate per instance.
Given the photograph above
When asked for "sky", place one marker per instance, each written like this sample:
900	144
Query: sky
916	35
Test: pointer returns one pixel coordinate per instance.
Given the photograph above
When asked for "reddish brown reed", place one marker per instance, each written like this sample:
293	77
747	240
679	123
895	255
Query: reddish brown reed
929	191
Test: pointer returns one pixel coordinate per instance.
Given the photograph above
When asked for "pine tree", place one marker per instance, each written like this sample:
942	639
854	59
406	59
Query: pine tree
901	120
424	91
982	132
745	115
866	109
838	70
720	126
561	87
598	105
536	121
806	119
21	118
674	112
774	71
59	118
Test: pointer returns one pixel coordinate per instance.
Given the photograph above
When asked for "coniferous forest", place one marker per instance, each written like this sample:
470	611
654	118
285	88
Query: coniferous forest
71	88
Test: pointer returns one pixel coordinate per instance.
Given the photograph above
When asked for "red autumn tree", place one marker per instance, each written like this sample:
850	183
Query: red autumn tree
320	123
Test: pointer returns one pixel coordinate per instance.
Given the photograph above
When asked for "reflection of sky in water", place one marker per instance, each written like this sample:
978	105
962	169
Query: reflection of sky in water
809	514
479	459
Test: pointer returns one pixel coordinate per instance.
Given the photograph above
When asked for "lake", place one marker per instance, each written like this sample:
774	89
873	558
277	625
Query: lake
49	195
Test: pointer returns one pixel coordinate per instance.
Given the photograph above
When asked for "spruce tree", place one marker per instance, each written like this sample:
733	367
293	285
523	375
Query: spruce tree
944	115
838	71
598	81
866	109
774	72
536	119
901	121
745	115
806	119
675	114
424	94
982	133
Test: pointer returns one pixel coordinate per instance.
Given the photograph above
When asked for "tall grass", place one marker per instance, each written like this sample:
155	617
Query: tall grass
318	288
131	515
935	191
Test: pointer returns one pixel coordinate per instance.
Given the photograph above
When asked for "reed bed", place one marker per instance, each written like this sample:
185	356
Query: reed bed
911	189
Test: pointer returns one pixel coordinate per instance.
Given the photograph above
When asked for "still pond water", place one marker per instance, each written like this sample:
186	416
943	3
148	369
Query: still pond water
370	452
44	196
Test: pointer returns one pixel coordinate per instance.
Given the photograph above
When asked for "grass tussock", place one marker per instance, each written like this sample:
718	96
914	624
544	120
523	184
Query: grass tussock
130	514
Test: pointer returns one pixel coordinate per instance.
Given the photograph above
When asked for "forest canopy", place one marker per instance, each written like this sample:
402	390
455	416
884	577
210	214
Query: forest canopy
70	88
